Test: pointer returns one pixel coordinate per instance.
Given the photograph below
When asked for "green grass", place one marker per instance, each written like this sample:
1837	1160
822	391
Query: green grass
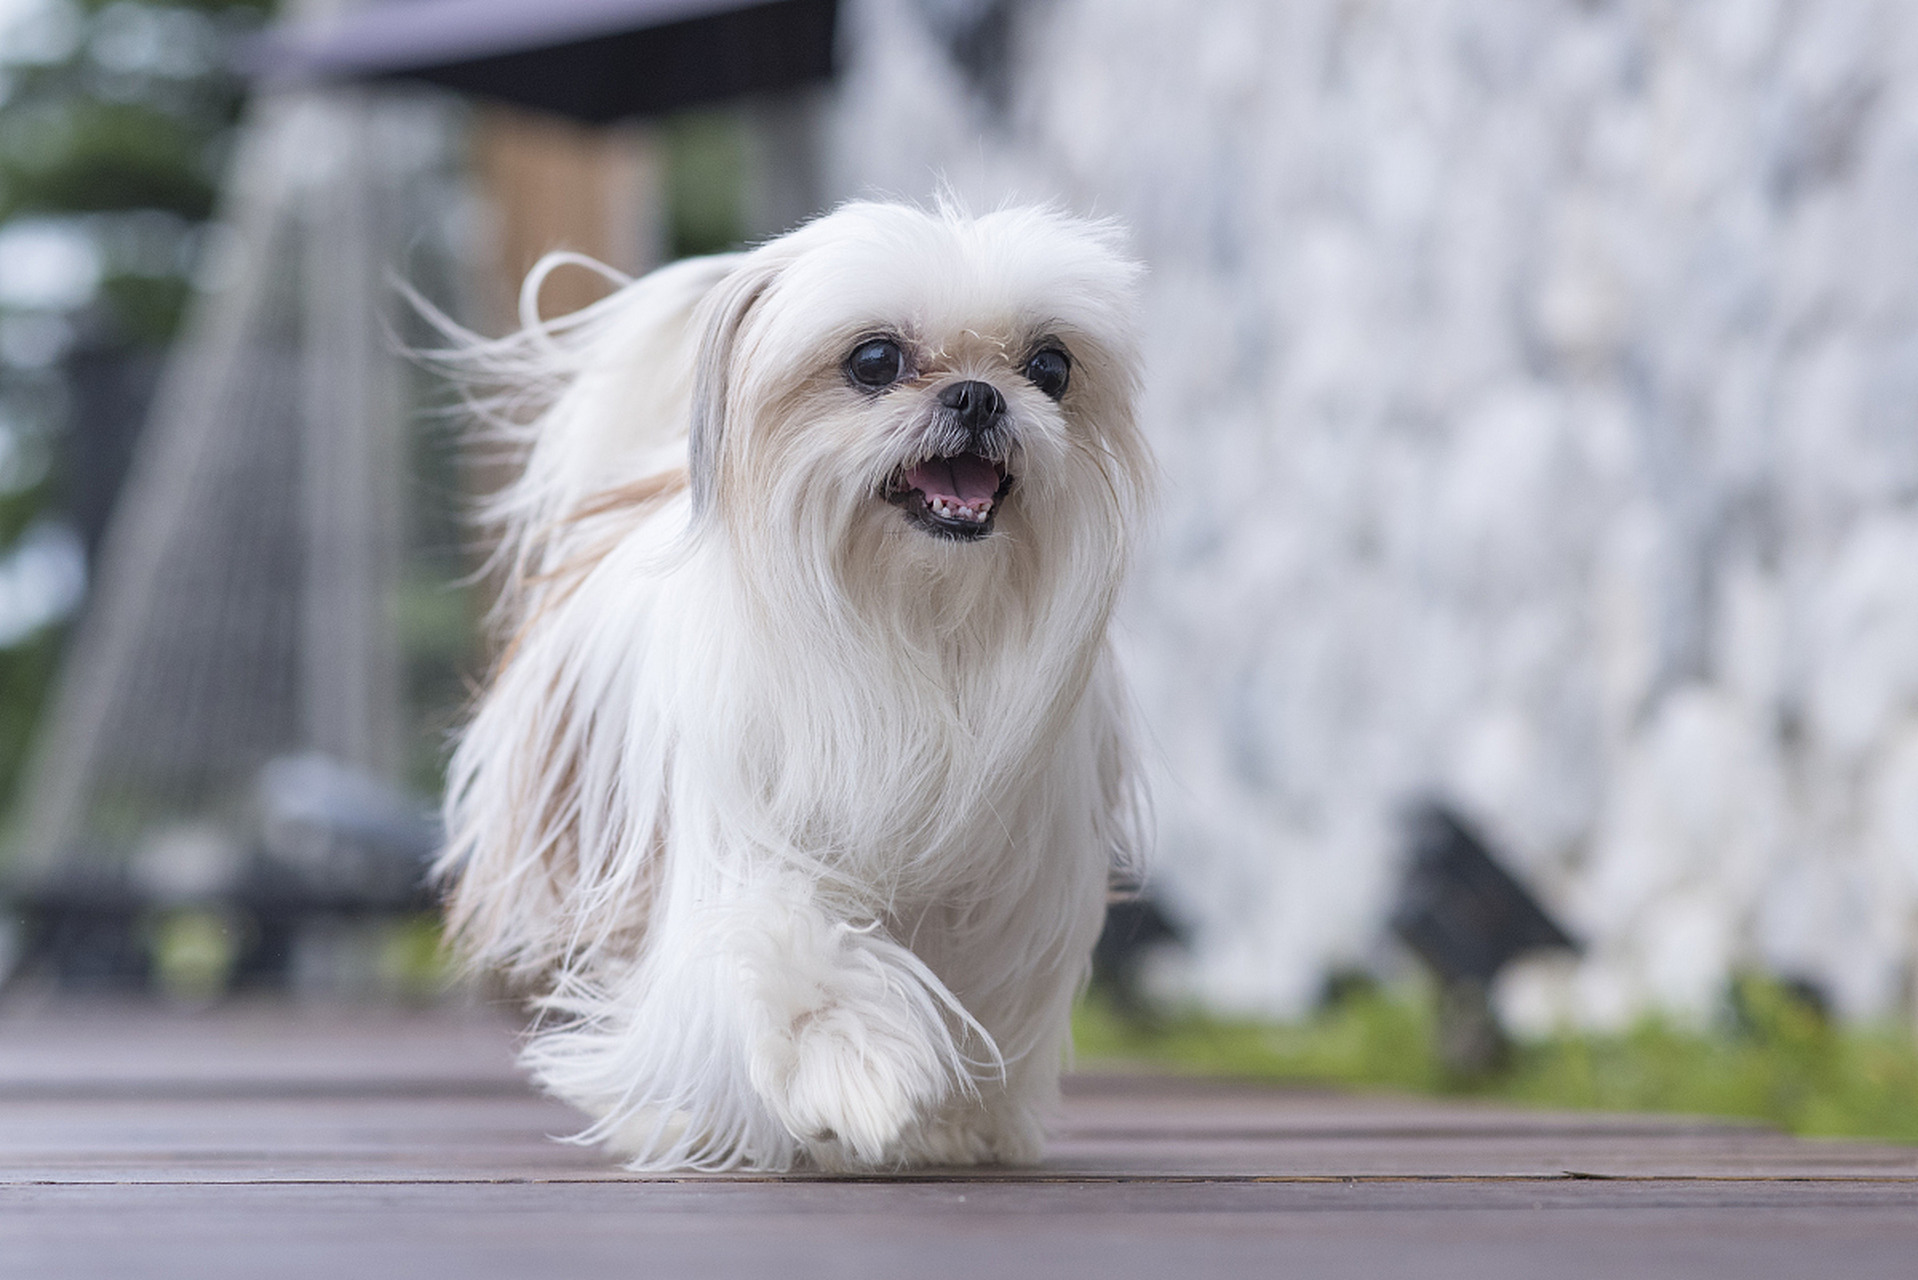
1771	1058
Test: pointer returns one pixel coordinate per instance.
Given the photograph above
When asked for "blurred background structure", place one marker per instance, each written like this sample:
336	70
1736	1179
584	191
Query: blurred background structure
223	759
233	782
1536	383
1538	390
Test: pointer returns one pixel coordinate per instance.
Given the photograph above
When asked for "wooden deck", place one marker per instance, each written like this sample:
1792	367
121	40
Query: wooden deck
266	1141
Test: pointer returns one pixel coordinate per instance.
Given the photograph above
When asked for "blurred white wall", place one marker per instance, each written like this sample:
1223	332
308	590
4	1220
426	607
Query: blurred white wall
1537	387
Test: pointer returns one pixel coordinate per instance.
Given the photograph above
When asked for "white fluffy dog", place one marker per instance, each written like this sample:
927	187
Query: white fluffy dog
800	778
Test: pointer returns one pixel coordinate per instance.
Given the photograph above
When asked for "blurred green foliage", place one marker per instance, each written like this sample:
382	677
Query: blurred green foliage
145	309
26	670
116	117
439	638
705	182
121	107
197	952
1771	1057
413	964
194	951
81	156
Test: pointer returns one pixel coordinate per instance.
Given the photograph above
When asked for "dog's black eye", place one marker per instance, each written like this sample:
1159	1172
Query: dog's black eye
1049	370
877	363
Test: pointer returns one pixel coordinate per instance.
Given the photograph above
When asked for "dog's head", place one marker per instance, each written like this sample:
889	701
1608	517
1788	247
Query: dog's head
893	382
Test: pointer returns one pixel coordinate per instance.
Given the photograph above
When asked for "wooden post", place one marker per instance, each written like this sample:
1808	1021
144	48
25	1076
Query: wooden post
553	184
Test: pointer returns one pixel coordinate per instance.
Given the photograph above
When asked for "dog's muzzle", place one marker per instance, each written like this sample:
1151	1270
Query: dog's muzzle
955	492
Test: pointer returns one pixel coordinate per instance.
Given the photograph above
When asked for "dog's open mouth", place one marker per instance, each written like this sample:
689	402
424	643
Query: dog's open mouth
953	497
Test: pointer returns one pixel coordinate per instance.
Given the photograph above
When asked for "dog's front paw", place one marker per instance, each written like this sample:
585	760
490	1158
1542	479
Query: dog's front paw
848	1088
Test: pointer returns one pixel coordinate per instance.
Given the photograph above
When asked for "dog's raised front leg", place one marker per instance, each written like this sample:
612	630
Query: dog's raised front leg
850	1038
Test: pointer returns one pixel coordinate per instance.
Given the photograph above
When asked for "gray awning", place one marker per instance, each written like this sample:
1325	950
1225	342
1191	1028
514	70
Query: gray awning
593	60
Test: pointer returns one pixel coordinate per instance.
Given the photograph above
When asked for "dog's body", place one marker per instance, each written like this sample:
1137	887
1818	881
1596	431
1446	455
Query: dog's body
801	777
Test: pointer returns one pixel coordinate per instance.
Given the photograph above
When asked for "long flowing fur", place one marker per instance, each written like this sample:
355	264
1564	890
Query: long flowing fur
801	817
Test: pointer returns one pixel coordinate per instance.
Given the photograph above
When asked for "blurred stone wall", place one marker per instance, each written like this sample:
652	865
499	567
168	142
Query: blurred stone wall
1537	388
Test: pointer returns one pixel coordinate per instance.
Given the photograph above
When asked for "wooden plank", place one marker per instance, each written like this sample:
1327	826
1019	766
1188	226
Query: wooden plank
48	1048
451	1138
330	1142
1600	1231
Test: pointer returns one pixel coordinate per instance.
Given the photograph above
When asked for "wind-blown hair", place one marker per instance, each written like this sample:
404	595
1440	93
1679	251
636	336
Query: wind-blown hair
801	815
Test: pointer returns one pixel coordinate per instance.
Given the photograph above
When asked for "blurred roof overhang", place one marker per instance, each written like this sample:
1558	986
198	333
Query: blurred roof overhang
593	60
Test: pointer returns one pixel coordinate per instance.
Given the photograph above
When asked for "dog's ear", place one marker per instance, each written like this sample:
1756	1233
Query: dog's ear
722	313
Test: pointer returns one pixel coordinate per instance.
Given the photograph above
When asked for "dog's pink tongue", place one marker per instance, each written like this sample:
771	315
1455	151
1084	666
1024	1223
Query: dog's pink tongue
965	478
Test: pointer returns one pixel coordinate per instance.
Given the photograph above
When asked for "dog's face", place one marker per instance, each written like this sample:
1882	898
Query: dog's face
961	430
906	383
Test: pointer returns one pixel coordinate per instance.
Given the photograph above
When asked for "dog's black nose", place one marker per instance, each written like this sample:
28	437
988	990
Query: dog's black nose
977	404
